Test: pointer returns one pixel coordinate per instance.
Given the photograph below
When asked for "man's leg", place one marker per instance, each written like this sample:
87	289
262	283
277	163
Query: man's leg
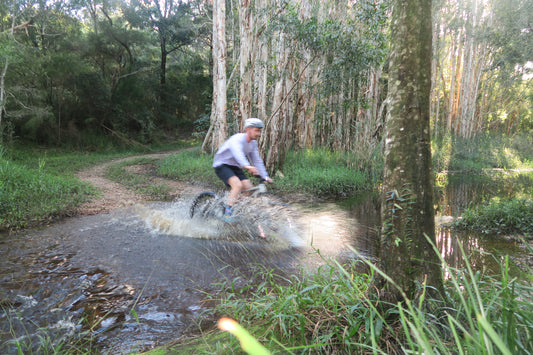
237	185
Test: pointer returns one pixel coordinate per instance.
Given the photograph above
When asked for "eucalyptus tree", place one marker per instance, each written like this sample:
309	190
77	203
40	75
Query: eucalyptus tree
218	130
408	227
312	64
481	49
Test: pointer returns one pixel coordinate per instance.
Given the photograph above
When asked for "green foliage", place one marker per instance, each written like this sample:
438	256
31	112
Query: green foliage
140	183
512	216
318	172
190	165
333	310
37	185
485	151
322	311
30	196
325	173
67	76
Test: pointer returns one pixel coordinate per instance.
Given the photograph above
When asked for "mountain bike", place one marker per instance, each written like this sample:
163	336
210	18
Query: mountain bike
208	204
254	217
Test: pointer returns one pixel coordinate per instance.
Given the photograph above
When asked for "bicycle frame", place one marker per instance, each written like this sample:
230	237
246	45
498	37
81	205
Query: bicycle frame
256	190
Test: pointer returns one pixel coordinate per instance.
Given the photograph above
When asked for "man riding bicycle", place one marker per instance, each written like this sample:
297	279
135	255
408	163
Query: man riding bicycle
240	152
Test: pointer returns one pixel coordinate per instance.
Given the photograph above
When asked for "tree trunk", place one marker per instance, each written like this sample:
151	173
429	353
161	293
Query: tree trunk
246	70
275	124
407	198
218	130
260	75
2	98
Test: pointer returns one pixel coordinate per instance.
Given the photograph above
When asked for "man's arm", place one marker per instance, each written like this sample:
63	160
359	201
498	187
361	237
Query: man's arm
259	164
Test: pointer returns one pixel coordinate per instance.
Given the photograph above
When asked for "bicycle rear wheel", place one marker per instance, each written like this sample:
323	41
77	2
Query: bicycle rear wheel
207	205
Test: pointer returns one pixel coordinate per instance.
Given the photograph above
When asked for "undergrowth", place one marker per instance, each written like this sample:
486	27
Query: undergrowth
190	165
139	183
508	216
489	150
334	310
319	172
34	195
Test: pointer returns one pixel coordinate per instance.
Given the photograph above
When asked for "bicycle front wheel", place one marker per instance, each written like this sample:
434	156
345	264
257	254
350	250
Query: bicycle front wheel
207	205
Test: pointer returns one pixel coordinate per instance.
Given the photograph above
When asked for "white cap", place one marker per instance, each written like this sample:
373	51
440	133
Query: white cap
253	122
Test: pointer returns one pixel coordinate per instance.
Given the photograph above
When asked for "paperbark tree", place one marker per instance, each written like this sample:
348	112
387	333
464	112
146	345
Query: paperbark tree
246	24
408	226
218	131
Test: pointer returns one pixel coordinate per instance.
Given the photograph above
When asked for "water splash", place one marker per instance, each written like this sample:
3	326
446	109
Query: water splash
256	220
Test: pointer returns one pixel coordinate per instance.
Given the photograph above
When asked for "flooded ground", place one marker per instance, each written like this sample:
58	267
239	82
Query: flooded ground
140	276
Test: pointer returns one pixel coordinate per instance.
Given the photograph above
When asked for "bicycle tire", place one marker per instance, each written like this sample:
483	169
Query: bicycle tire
207	205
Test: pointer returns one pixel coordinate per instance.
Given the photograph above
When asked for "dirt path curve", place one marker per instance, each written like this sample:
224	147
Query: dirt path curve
114	195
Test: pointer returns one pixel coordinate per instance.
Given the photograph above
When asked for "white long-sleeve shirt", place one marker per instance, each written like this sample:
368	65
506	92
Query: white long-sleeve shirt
237	151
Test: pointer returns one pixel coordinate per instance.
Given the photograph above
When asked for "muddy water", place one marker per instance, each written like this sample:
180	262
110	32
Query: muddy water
139	277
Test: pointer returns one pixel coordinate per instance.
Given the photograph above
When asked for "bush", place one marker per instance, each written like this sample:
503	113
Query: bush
190	165
512	216
333	310
486	151
319	172
32	196
325	173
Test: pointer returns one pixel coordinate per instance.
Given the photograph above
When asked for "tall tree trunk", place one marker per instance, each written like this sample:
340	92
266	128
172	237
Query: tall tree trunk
218	131
407	198
305	106
246	24
3	97
260	76
278	114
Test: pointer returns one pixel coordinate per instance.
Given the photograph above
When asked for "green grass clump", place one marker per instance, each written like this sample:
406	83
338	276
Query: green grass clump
318	172
32	196
334	310
137	182
509	216
190	165
325	173
485	151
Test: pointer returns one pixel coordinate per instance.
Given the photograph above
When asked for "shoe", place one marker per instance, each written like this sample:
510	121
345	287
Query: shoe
228	219
228	214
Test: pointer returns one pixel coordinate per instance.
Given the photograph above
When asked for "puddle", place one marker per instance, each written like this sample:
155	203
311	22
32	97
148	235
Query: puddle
139	277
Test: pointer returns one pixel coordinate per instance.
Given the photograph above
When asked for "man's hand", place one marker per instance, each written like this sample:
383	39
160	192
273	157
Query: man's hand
269	180
252	170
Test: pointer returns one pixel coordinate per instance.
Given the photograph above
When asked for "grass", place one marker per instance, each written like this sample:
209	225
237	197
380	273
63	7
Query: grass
38	185
32	196
508	216
325	173
318	172
334	311
45	341
139	183
485	151
190	165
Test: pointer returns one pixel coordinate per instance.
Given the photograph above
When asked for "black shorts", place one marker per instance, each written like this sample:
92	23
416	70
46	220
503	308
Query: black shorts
224	172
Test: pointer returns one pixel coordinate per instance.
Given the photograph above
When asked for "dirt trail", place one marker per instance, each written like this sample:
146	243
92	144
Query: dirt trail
115	195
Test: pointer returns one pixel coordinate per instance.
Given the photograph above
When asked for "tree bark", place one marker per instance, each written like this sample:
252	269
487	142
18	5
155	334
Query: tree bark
246	24
3	97
218	130
408	226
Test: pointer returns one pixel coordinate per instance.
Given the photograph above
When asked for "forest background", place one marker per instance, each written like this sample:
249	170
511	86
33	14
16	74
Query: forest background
88	75
75	72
